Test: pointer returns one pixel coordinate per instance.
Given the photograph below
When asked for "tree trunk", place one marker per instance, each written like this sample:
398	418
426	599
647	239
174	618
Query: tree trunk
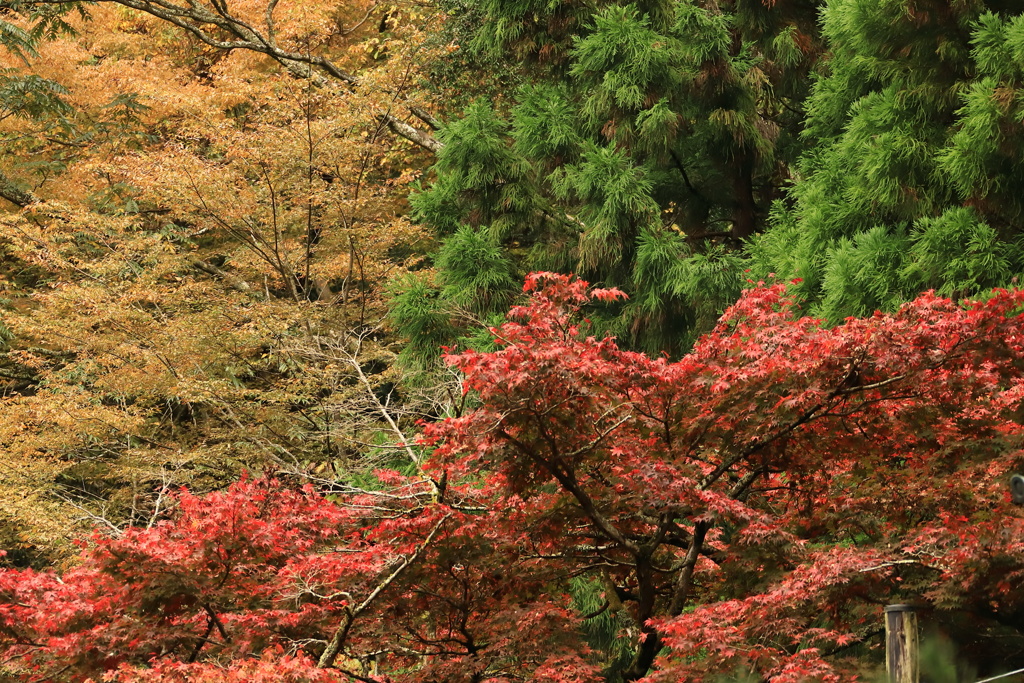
744	218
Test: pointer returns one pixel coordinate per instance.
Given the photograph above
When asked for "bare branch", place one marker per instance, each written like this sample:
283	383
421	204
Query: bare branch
425	116
418	137
353	360
202	23
14	194
229	279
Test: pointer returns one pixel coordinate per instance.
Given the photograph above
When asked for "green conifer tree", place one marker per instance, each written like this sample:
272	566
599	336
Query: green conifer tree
646	144
913	180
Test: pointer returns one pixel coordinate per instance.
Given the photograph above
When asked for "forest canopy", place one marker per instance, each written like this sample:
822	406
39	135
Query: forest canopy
276	405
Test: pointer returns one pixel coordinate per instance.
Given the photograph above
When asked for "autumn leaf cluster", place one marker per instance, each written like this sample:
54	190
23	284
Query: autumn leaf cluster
748	506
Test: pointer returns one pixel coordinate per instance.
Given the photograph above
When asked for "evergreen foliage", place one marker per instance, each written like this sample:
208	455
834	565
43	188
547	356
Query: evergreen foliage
912	181
477	282
678	150
647	142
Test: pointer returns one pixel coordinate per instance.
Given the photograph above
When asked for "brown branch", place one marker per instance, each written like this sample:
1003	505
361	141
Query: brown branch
598	612
207	267
197	20
569	483
860	388
333	649
418	137
685	579
425	116
14	194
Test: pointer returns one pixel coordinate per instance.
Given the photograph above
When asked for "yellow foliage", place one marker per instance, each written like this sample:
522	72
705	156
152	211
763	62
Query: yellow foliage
211	230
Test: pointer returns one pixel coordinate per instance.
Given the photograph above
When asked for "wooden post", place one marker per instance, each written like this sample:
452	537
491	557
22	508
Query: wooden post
901	644
1017	489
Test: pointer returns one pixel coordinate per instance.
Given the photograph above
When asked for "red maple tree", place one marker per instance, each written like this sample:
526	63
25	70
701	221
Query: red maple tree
748	507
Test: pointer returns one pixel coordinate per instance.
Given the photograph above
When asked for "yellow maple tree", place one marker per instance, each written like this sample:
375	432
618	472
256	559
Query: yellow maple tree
201	223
